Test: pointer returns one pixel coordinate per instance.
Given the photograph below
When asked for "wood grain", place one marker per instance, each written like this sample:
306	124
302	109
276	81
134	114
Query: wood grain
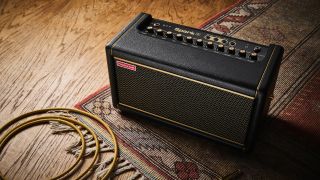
52	55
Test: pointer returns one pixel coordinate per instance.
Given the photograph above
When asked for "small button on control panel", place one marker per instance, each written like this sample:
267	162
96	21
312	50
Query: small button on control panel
211	42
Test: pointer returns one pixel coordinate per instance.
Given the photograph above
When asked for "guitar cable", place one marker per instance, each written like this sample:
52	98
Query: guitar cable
67	121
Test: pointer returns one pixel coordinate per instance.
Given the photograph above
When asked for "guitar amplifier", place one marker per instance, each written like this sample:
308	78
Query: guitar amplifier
213	85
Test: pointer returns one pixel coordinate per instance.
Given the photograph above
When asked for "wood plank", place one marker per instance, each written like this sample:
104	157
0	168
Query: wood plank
52	55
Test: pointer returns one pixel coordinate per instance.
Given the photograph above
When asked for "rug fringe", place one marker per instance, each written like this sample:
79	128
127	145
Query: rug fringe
64	113
76	147
123	166
60	128
100	168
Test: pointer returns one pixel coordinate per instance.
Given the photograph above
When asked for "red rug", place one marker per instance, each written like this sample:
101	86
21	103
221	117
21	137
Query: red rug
287	148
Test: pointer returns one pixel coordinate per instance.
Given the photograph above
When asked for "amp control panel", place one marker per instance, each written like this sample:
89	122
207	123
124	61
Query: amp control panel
215	43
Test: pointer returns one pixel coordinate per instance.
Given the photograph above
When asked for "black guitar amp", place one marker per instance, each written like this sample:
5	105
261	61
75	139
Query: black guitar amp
213	85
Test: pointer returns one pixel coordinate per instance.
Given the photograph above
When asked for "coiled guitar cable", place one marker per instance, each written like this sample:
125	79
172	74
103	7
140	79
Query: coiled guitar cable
66	121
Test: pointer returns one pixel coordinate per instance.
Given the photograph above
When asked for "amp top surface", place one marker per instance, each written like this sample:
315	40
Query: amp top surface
234	64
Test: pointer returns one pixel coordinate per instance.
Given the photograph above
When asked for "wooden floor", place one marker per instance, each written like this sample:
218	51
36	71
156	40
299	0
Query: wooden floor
52	55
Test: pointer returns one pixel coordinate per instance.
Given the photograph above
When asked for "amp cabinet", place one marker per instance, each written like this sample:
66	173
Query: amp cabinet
212	85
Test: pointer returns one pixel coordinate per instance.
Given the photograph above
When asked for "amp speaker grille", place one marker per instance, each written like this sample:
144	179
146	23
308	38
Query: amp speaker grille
200	107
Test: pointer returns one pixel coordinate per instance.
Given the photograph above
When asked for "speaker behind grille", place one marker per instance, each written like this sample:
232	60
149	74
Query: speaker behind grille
189	103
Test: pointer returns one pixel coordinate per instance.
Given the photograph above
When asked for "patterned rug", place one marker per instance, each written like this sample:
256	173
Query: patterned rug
288	147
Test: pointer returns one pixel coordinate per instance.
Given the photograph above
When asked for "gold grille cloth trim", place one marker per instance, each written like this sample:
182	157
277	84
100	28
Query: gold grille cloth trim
83	113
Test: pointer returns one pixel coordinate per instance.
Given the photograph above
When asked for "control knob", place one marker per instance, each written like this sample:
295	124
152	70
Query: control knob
159	32
254	56
231	50
220	47
150	29
179	37
210	45
169	34
199	42
242	53
189	39
257	49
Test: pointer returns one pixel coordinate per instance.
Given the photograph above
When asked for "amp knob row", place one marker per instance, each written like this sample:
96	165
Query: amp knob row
199	42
